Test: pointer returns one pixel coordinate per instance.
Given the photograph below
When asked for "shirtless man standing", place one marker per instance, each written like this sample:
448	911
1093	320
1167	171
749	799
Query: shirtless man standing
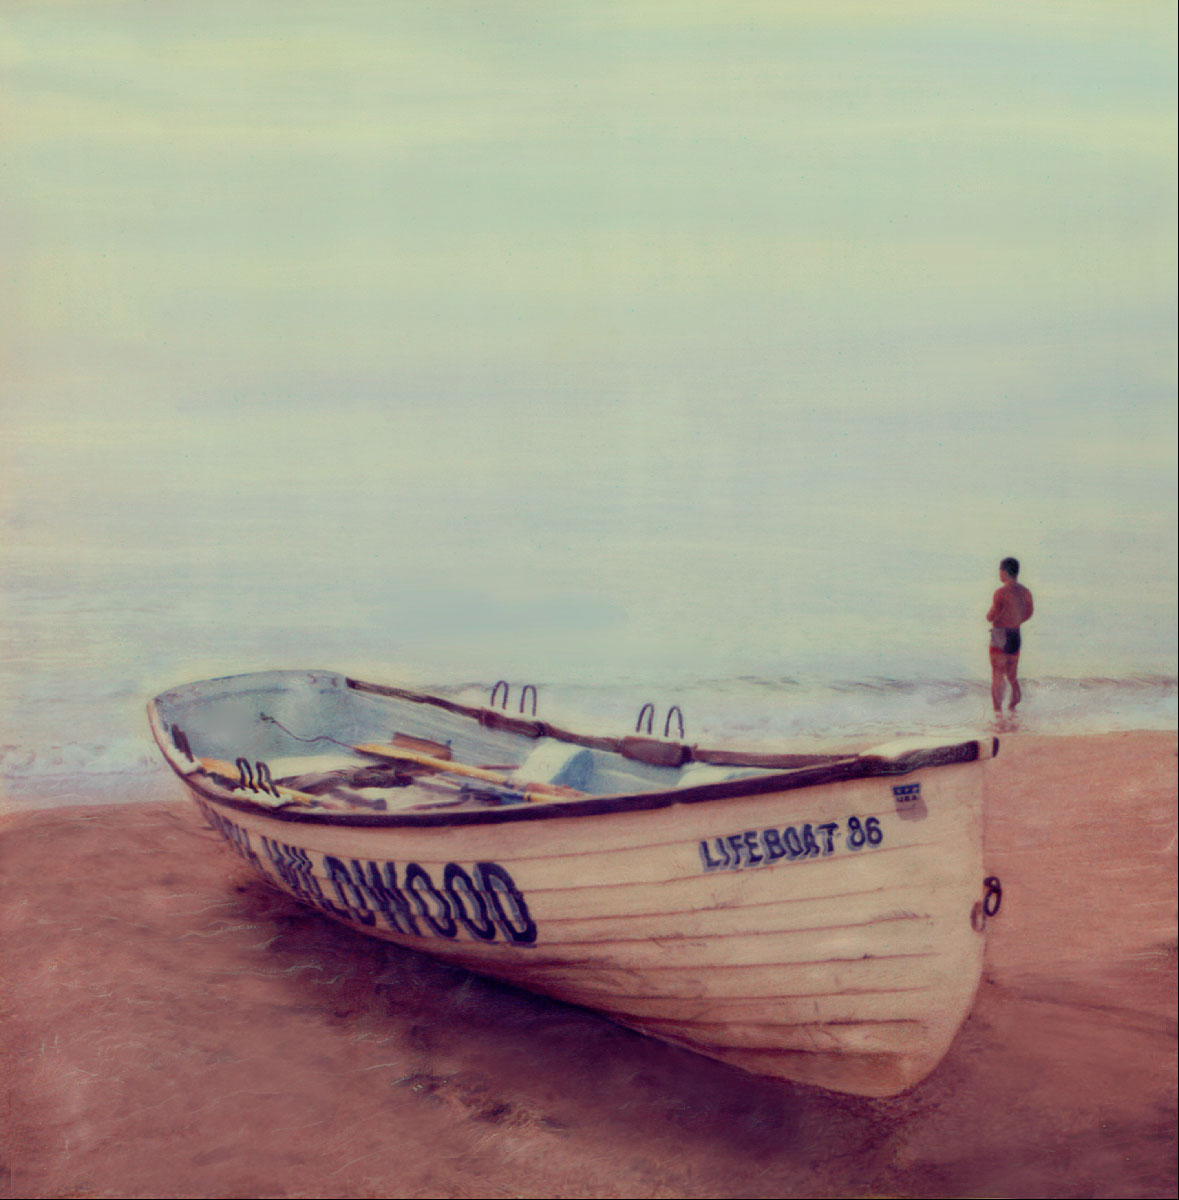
1011	606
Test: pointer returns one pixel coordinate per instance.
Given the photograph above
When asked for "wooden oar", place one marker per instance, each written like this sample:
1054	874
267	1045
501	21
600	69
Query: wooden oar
397	752
531	791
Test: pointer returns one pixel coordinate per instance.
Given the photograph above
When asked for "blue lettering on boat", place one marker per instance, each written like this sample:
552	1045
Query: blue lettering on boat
468	903
482	902
419	885
237	837
294	869
377	884
500	888
790	843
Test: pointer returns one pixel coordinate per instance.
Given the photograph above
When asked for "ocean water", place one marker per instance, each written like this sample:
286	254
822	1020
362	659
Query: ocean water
699	355
851	659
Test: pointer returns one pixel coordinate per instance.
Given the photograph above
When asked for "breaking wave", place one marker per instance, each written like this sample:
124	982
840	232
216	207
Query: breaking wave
742	710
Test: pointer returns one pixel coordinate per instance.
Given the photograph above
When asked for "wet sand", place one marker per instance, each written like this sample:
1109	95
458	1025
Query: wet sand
173	1027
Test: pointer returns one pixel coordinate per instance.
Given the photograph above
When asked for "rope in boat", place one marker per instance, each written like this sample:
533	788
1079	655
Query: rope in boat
322	737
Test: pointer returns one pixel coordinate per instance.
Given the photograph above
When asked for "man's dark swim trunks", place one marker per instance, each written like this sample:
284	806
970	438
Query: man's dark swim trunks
1005	641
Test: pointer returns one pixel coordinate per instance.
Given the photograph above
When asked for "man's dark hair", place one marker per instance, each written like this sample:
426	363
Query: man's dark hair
1011	566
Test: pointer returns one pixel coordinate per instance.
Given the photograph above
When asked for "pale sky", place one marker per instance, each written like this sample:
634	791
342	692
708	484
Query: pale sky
508	283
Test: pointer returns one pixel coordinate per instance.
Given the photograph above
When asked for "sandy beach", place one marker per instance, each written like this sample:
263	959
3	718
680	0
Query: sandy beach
173	1027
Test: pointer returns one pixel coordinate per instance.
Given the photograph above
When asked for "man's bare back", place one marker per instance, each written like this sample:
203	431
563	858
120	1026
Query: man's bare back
1011	606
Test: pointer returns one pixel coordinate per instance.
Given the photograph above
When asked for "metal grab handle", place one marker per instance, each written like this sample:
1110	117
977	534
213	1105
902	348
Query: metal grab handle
675	708
265	780
245	774
648	711
528	687
495	691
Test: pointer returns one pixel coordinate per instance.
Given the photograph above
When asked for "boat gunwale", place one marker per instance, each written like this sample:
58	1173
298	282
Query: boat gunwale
592	806
531	727
827	770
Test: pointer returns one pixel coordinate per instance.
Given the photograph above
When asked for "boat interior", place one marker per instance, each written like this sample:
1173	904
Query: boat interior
318	739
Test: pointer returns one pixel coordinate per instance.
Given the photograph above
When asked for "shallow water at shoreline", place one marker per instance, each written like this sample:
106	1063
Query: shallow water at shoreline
744	712
753	655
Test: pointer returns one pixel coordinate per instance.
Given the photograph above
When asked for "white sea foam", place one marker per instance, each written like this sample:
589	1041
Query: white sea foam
756	648
77	760
737	712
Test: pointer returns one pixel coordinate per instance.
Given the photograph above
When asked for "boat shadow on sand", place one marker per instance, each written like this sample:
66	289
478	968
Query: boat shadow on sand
474	1052
479	1050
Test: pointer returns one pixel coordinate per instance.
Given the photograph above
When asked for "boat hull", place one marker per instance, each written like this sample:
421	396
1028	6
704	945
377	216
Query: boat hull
828	934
